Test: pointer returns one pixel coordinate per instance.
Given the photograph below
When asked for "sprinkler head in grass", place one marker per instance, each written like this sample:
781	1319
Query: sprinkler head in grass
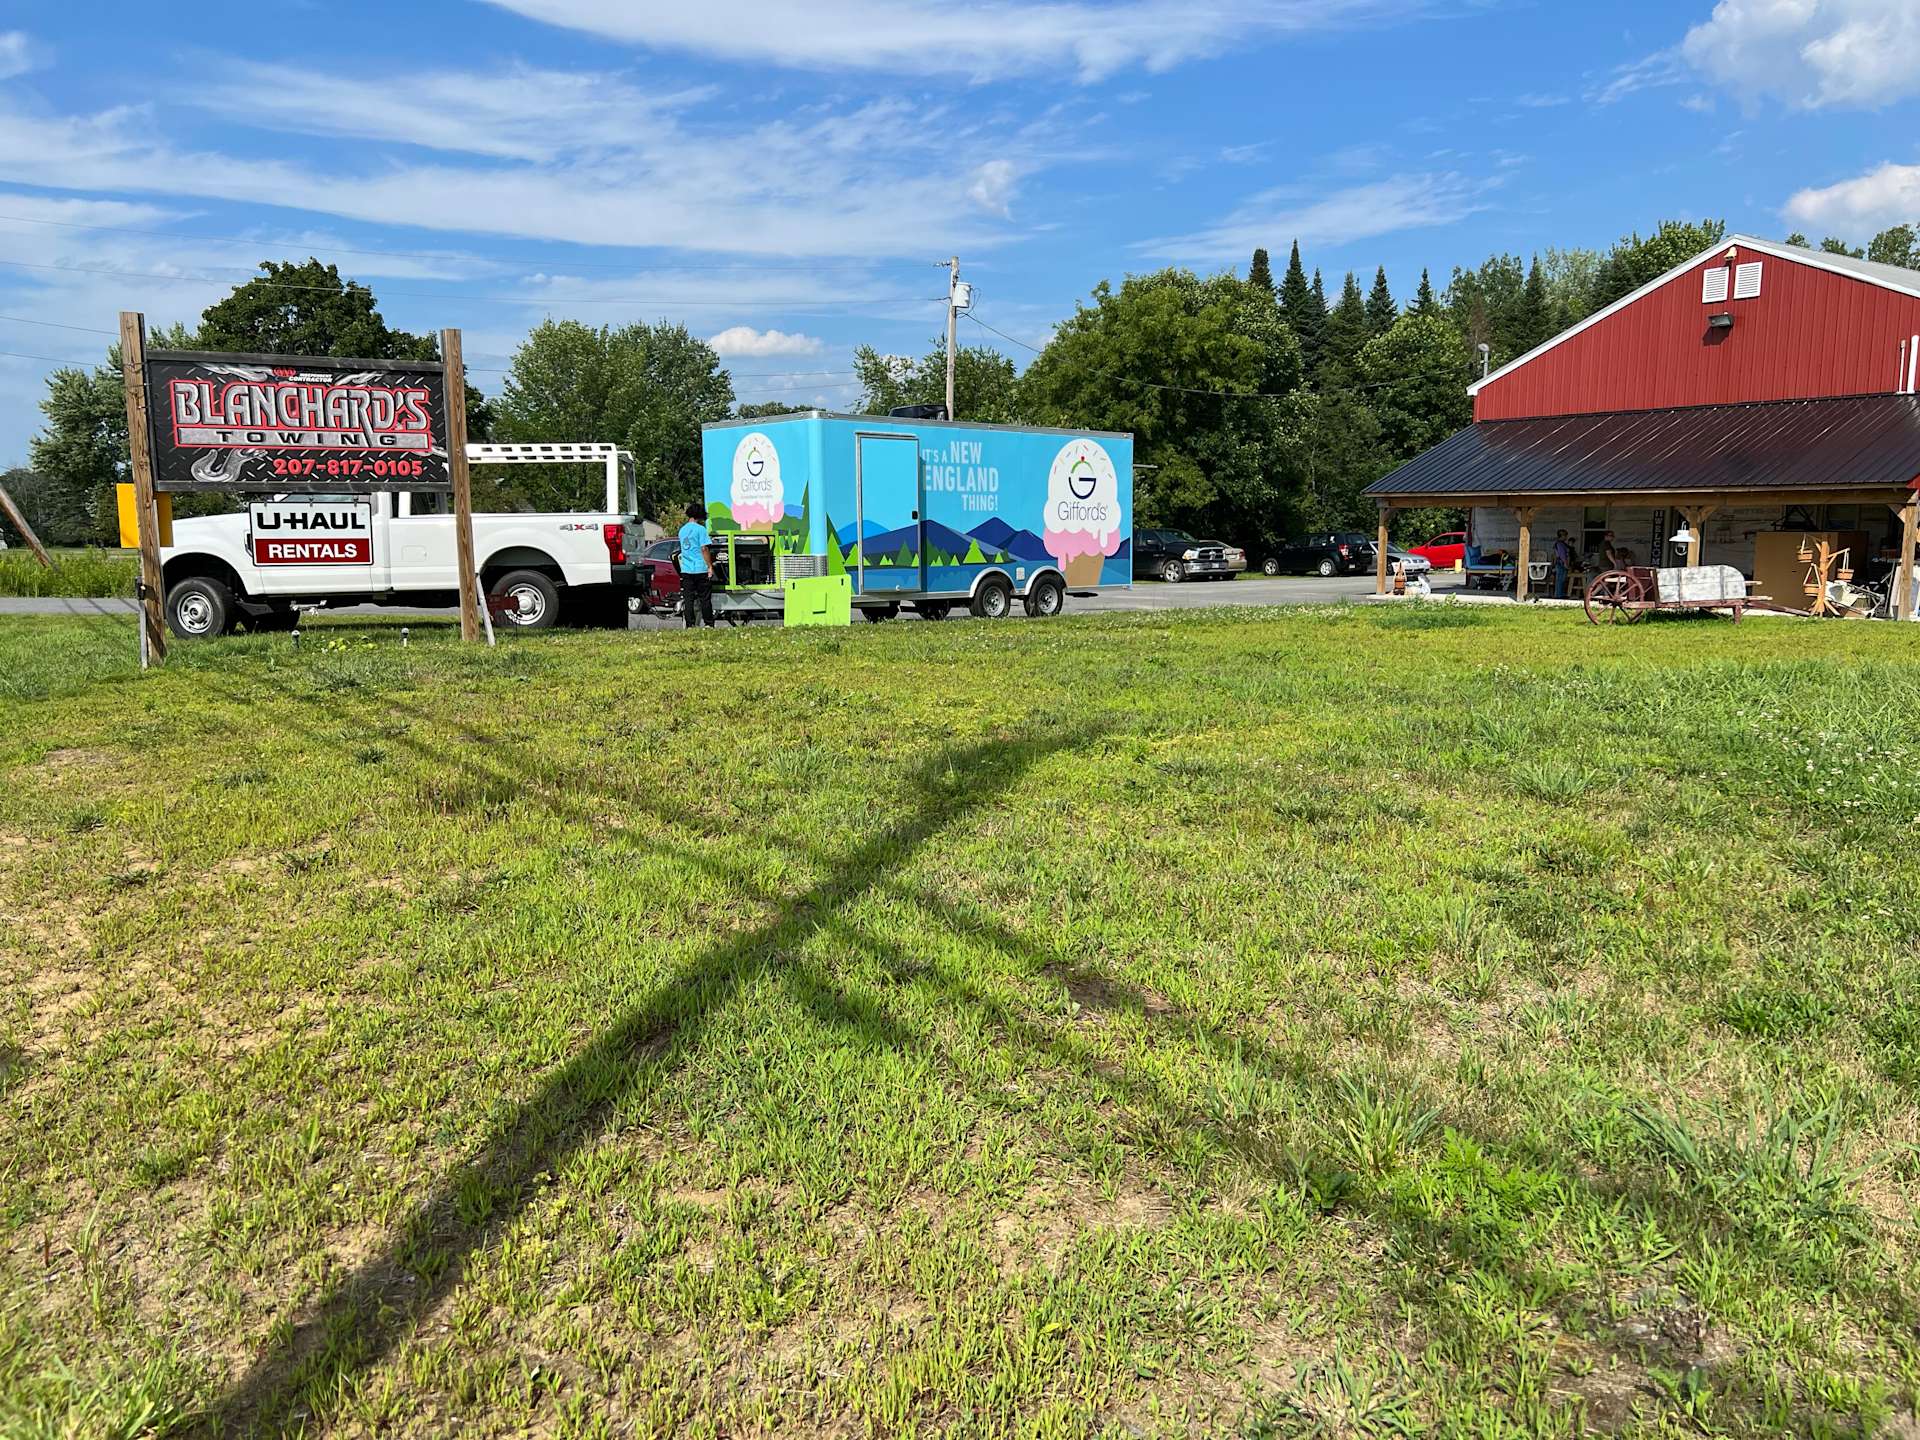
403	637
296	639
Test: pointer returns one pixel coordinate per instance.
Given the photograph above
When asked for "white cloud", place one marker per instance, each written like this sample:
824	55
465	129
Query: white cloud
747	341
1811	53
1662	68
517	113
978	39
1542	101
993	187
1277	217
1861	206
18	54
845	182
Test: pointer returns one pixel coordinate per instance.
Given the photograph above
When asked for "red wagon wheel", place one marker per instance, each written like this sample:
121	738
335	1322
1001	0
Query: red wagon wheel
1614	595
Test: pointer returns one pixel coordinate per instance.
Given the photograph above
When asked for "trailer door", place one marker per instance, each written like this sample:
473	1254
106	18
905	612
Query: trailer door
888	511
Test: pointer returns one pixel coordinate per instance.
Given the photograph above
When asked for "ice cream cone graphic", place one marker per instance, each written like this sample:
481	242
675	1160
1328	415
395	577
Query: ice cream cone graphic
1084	569
757	500
1083	522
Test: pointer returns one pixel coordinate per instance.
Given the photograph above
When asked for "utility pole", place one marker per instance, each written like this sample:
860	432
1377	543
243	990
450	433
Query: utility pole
953	322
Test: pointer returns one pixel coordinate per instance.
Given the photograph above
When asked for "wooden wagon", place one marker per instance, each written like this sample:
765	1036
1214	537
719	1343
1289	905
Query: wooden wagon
1623	596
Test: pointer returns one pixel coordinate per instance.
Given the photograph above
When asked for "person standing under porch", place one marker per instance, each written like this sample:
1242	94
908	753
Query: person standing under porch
1562	564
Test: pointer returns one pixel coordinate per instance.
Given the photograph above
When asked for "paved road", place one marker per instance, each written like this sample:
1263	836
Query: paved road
1147	595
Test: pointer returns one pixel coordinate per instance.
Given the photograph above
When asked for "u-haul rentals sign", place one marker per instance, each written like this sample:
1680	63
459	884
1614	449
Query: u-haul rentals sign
312	534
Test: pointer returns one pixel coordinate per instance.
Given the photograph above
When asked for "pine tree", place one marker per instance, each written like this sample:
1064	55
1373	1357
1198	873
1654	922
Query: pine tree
1424	302
1296	303
974	557
1346	328
1381	311
1534	323
1260	272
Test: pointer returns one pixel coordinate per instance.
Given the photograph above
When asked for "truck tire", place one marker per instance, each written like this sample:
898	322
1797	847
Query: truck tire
932	609
994	599
1046	597
199	608
1327	568
877	613
1269	567
536	600
1173	572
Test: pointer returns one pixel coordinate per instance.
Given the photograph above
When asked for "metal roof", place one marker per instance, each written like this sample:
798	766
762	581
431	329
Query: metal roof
1861	442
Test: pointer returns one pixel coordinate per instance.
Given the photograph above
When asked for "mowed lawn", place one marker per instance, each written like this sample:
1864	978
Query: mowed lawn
1313	1022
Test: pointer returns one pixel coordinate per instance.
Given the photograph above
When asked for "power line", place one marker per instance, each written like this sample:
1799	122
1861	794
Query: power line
738	303
417	254
16	355
56	325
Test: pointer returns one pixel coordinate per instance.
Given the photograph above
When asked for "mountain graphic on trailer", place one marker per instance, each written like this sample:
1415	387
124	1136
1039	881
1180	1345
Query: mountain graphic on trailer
994	537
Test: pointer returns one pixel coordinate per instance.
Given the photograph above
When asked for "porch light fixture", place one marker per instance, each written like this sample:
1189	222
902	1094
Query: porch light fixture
1682	536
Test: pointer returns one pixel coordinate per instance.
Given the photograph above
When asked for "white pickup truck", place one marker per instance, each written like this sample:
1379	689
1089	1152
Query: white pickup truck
398	548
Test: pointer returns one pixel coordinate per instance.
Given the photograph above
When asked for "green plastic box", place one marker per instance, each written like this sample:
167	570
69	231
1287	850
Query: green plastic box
818	599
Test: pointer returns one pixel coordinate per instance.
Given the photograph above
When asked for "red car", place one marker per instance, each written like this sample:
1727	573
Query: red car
1443	551
659	576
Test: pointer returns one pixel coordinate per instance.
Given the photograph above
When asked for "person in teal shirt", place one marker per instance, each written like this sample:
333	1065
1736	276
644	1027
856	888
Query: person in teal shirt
696	568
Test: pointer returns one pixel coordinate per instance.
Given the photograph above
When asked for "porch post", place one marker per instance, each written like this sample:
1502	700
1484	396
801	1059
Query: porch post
1909	536
1520	587
1380	553
1696	519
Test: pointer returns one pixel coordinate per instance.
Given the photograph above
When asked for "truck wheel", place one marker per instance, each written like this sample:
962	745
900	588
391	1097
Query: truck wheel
994	599
535	600
1173	572
876	613
932	610
1046	596
199	609
1327	568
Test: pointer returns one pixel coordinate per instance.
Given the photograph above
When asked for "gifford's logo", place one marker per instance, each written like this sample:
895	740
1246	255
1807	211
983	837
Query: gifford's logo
757	497
1081	478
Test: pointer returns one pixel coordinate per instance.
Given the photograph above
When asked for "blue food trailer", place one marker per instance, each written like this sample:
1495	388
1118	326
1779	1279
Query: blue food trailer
925	514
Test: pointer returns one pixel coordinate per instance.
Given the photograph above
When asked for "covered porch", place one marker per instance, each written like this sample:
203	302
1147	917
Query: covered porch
1740	485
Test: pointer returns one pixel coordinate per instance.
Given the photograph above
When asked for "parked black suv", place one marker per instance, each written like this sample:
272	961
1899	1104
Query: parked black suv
1324	552
1174	555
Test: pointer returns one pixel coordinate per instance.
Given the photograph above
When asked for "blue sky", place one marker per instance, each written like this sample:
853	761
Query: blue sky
782	175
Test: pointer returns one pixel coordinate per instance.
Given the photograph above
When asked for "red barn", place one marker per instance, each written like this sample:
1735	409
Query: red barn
1755	394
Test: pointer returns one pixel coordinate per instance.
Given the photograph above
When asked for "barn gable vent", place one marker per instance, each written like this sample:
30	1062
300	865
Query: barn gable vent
1713	285
1746	281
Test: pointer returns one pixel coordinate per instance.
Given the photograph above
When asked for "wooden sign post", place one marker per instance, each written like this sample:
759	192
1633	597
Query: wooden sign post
470	629
19	521
133	371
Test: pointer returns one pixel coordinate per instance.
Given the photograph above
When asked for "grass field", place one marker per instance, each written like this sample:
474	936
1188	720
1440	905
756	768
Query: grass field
80	574
1332	1022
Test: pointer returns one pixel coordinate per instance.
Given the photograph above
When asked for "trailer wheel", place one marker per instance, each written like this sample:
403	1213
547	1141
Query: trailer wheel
874	614
933	609
535	600
1045	597
199	608
994	599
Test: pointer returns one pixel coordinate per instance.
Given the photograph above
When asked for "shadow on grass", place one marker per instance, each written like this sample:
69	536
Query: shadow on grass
355	1326
365	1317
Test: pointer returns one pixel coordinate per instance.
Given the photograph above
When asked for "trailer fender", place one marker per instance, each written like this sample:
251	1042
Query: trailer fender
1035	574
981	579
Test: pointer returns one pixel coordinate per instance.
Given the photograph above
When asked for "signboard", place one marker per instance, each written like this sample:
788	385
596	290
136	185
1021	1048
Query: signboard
286	423
308	534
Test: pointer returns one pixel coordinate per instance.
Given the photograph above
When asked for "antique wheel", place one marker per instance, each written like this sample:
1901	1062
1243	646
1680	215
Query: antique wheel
1608	597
